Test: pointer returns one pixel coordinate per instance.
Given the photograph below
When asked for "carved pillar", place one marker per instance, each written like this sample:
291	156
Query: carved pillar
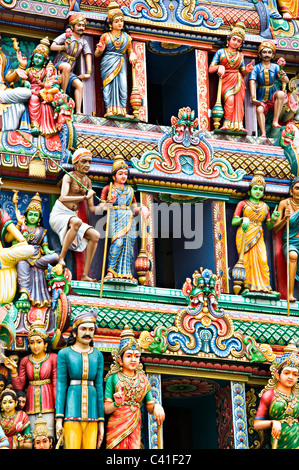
220	243
238	398
202	81
155	381
141	79
89	87
224	419
250	110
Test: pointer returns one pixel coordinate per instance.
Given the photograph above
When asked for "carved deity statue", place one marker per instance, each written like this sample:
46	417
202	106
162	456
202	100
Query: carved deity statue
112	47
229	64
126	388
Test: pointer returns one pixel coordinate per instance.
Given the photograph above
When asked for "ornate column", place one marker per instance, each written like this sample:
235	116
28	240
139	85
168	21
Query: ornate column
147	276
238	398
202	80
155	381
141	79
220	243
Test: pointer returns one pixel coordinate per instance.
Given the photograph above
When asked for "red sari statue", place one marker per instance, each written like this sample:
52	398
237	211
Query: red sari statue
229	64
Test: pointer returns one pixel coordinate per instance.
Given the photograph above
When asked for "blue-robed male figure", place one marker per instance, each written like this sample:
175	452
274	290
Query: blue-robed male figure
79	392
265	94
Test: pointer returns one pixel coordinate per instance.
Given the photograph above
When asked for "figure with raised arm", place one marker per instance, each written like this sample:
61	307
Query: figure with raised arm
250	215
74	234
37	373
112	47
229	64
289	214
13	99
265	95
79	399
127	386
279	406
69	48
122	227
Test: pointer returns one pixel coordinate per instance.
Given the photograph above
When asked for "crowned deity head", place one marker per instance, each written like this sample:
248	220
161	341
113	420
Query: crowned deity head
42	438
35	205
128	342
43	48
288	361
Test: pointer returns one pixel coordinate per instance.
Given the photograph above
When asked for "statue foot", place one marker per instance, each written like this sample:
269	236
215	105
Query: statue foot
109	276
287	16
224	128
276	125
263	136
292	299
61	262
88	279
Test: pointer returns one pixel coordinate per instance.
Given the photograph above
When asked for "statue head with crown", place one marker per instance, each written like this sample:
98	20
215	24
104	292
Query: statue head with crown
38	340
285	371
41	438
126	358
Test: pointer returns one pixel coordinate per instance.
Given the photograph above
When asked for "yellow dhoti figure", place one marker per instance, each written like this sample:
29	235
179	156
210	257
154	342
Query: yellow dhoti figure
9	257
80	435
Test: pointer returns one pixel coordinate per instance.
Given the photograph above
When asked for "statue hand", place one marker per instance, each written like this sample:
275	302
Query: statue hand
100	434
27	84
59	428
144	212
133	59
90	194
159	414
256	102
119	397
249	67
245	224
287	213
276	429
221	71
275	215
21	59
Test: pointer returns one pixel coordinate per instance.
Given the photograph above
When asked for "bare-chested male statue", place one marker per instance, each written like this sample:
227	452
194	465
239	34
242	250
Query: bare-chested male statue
74	234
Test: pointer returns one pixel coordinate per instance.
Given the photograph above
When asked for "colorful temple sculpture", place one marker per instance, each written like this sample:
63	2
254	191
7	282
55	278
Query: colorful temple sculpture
149	170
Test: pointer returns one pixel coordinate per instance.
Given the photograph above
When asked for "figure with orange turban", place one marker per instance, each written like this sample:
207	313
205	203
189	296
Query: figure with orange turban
265	95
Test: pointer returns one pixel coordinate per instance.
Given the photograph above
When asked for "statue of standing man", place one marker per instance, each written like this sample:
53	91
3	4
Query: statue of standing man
79	394
69	49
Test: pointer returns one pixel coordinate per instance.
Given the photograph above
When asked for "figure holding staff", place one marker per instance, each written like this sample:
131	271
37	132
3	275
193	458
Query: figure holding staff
289	221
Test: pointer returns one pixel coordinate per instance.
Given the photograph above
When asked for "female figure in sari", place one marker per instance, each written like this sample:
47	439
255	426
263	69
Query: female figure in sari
126	388
250	215
31	273
112	47
122	228
279	406
15	424
229	64
289	211
39	369
41	113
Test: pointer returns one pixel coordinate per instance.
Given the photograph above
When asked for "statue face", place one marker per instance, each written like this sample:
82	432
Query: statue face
257	191
118	23
288	376
8	404
33	217
22	402
42	442
2	386
85	333
83	164
38	59
235	42
37	345
130	360
121	176
79	27
266	54
295	191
